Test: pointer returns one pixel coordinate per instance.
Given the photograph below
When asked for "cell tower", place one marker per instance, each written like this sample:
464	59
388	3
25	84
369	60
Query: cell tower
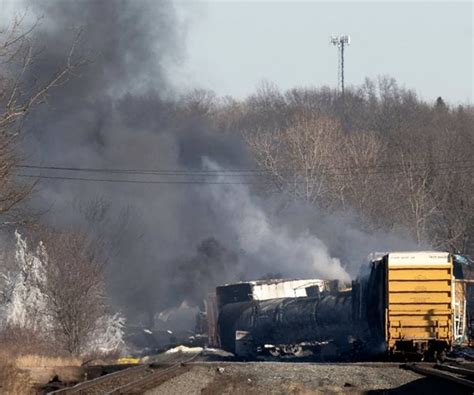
340	42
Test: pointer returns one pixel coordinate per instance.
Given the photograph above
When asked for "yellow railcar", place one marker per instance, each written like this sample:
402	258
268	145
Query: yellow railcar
420	297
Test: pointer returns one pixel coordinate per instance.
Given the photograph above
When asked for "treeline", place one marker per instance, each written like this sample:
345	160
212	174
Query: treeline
380	151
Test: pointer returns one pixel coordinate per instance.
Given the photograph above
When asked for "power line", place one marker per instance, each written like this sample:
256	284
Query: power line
235	170
142	171
203	181
131	181
241	171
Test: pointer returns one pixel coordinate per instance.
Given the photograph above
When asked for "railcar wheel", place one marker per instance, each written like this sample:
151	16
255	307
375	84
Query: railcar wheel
442	356
274	352
294	349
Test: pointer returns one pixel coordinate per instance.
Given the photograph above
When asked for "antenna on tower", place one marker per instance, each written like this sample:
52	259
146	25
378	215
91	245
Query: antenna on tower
340	42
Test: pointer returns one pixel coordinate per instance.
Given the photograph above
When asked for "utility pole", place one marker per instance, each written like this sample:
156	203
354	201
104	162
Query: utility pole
340	43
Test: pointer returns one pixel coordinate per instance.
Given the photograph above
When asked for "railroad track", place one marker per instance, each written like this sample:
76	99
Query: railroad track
134	380
455	374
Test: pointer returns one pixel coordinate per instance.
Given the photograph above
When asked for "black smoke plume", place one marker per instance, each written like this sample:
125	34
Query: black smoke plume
168	242
121	111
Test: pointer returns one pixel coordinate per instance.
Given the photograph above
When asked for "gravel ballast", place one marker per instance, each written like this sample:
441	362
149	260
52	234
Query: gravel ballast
301	378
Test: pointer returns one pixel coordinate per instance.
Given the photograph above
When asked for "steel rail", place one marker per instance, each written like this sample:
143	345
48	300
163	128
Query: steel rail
426	371
456	369
154	379
133	386
85	385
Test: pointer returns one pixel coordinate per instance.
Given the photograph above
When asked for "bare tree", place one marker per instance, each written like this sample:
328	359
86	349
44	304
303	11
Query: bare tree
73	286
19	94
300	158
358	181
199	102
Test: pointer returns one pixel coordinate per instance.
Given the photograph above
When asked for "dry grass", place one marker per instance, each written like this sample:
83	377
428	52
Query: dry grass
20	351
12	379
27	359
14	370
41	361
28	349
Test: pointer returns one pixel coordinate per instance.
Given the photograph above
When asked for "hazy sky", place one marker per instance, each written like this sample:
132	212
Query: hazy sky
233	45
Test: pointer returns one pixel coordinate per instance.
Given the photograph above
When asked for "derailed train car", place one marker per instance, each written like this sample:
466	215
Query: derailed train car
405	304
285	326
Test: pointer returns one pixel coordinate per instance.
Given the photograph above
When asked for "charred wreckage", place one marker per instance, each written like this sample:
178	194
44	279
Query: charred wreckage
406	304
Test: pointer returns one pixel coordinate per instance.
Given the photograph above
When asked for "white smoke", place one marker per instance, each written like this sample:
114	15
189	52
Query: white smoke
274	247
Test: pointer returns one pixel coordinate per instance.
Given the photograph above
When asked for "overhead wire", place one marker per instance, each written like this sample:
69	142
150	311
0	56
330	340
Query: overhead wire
236	171
130	181
198	177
